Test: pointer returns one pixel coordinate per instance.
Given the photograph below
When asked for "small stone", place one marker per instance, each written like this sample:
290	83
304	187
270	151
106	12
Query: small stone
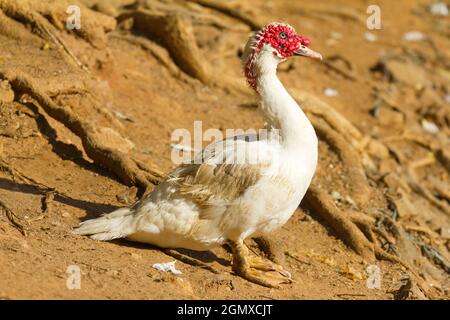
429	126
330	92
439	9
65	214
445	232
370	36
350	201
413	36
336	195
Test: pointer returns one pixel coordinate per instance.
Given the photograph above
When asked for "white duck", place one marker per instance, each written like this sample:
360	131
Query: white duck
224	201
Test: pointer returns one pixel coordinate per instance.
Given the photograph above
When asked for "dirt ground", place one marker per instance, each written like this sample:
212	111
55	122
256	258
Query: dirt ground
128	80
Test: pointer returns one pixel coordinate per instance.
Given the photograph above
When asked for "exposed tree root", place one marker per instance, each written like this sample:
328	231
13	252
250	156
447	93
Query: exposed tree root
47	199
36	13
46	31
118	162
46	27
14	29
411	177
360	191
158	53
232	12
322	204
408	290
272	249
358	234
424	192
194	11
357	230
175	32
49	192
360	231
313	105
348	74
13	219
17	175
95	103
444	158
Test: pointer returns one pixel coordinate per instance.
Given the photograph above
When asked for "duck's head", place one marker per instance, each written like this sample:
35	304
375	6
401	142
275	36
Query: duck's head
271	45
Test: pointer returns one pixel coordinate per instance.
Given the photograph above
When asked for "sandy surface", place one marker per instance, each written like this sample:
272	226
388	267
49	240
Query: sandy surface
389	90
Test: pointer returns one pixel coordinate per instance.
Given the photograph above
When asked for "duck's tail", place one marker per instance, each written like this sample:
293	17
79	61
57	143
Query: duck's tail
117	224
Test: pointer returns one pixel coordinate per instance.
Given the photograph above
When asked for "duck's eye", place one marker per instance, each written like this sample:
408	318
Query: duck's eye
282	35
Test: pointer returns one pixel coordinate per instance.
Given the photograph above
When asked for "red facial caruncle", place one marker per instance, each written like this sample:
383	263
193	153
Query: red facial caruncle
283	39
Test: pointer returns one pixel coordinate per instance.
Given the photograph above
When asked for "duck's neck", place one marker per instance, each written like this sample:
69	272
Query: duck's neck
282	113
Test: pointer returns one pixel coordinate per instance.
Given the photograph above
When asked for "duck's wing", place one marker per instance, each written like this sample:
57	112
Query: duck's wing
227	169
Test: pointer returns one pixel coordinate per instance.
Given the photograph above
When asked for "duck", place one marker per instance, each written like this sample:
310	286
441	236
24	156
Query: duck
238	187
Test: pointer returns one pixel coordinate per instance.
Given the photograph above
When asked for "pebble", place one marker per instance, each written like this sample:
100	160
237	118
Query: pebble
336	195
370	36
439	9
429	126
329	92
413	36
65	214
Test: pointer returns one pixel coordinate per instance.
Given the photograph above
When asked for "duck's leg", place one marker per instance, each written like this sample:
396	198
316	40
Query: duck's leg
256	269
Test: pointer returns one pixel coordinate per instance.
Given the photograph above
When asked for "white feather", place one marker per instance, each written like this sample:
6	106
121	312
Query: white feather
169	217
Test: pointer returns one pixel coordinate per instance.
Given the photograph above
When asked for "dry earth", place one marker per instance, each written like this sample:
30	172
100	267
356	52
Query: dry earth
81	111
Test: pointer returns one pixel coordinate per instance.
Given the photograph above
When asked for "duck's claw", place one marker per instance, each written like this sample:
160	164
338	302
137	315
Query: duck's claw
258	270
264	278
267	265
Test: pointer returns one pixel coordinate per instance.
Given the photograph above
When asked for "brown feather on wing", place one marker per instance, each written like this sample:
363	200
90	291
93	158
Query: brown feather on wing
210	185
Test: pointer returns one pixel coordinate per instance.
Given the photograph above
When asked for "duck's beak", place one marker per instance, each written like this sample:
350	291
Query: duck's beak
307	52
